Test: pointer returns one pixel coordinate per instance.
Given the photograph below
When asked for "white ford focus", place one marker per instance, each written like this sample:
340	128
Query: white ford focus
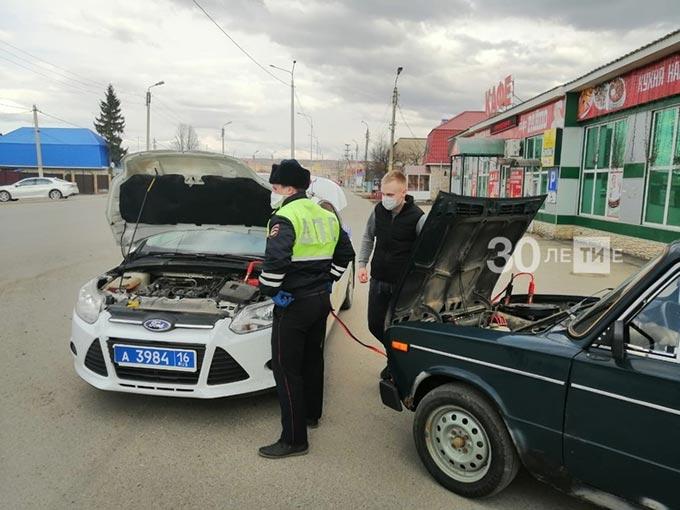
182	314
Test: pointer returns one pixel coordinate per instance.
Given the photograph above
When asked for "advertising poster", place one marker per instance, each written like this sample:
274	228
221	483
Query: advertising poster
494	189
614	189
515	182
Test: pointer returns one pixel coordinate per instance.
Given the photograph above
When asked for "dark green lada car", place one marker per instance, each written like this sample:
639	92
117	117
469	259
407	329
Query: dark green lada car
582	391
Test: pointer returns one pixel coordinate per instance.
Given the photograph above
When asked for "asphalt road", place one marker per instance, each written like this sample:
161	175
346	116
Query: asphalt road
66	444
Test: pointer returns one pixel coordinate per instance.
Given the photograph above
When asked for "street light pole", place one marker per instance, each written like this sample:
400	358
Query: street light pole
292	105
311	134
148	112
225	125
395	99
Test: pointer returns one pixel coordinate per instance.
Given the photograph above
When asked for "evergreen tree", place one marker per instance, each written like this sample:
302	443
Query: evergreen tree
110	125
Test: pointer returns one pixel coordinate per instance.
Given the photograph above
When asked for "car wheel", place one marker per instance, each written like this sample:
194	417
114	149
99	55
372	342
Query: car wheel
5	196
349	293
55	194
463	442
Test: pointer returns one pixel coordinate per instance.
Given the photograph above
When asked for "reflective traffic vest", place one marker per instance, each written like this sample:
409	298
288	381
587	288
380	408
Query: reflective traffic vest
316	230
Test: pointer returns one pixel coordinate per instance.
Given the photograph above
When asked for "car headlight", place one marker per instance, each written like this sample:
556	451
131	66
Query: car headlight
253	318
90	302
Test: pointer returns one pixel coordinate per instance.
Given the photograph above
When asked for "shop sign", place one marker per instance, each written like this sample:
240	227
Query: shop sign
504	125
493	190
499	96
531	123
549	150
649	83
515	182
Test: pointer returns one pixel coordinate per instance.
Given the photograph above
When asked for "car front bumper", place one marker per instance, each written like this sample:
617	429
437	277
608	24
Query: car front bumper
229	363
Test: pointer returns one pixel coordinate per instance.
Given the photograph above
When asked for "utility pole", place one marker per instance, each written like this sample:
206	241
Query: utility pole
225	125
148	112
366	151
38	147
356	150
292	105
154	144
395	100
347	172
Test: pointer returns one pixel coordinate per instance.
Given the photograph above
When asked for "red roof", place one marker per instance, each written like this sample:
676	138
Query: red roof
437	151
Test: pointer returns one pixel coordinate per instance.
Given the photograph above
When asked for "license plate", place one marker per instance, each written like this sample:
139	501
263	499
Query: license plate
154	357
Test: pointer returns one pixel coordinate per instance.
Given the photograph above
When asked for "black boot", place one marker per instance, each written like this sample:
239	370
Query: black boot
280	450
312	424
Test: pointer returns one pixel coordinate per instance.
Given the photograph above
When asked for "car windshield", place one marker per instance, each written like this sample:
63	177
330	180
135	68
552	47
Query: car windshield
587	318
207	242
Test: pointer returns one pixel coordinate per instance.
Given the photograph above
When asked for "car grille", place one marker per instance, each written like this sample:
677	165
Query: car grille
225	369
94	359
154	374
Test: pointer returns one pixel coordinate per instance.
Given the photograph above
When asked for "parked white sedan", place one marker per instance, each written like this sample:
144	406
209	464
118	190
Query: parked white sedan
37	187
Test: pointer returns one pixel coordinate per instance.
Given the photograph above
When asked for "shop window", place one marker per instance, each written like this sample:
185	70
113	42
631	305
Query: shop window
605	149
662	198
419	182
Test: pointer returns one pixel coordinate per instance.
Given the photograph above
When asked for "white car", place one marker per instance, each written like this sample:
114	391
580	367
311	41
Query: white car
37	187
182	314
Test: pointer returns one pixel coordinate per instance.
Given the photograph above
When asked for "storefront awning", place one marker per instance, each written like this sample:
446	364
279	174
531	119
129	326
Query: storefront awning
479	147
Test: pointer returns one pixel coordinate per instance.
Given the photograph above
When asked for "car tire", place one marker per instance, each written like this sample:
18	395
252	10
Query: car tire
463	442
349	293
5	196
55	194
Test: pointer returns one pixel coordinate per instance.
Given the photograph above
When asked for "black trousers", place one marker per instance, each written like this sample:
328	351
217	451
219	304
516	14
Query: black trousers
379	296
298	334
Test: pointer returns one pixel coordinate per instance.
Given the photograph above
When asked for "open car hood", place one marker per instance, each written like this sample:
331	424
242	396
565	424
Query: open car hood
191	190
451	265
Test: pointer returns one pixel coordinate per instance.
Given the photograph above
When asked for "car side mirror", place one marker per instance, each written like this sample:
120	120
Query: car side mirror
619	338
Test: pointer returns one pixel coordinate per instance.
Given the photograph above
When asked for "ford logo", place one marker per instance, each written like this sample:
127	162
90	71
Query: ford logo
157	325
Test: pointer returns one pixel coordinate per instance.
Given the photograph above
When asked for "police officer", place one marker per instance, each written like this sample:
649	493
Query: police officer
306	252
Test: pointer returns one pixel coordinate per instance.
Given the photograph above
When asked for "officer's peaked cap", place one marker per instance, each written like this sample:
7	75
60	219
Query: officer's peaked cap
290	173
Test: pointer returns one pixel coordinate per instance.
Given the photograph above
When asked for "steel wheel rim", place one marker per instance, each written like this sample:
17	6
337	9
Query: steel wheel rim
54	194
458	443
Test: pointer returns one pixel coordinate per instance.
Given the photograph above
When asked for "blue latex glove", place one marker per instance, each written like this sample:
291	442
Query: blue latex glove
329	287
283	299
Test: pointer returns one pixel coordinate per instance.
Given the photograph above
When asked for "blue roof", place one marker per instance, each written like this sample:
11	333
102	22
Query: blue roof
61	148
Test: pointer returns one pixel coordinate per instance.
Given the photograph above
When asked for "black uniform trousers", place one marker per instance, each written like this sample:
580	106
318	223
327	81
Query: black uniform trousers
298	334
379	297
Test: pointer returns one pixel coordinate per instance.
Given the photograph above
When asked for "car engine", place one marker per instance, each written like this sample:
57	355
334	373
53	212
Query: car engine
181	292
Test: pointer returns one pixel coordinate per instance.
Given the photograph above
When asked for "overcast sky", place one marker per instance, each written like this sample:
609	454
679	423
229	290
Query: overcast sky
347	54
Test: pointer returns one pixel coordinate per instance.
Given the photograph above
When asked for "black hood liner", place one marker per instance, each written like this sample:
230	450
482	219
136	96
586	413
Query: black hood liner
449	268
218	201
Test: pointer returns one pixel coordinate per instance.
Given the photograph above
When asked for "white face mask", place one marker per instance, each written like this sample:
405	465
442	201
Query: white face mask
276	200
390	203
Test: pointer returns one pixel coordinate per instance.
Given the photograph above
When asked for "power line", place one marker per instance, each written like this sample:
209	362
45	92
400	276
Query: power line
401	114
99	85
17	107
238	45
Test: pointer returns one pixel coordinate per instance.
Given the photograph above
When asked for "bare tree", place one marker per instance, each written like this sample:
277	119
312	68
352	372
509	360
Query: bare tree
186	138
412	154
380	155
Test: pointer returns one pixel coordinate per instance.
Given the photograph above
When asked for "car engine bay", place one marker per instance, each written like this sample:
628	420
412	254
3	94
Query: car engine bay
214	293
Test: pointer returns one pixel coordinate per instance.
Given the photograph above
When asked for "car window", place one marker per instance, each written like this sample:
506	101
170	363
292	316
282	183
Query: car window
656	327
43	181
26	182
